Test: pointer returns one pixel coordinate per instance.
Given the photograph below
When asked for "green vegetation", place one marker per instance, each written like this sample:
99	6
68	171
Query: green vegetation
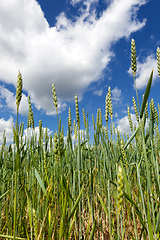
110	189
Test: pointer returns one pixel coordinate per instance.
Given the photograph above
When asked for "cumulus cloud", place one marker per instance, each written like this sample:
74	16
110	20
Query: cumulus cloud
116	94
116	115
98	92
35	132
10	101
123	124
86	2
70	54
7	125
144	70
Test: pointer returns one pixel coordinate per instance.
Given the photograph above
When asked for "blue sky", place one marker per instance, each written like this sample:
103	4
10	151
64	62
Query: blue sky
83	46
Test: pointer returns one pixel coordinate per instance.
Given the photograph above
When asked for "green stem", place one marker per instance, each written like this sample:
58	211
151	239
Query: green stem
15	206
136	92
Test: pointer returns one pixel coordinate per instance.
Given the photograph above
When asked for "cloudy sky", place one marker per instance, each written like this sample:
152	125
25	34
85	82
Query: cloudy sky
83	47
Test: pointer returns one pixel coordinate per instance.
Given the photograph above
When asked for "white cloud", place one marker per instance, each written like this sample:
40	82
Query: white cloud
144	70
98	92
73	137
35	132
116	94
116	114
123	124
7	126
86	2
61	108
10	101
70	54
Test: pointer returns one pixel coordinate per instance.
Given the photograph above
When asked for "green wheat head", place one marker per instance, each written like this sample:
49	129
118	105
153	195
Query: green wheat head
19	90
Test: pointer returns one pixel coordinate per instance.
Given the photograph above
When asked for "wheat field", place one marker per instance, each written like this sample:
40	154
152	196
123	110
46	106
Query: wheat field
110	189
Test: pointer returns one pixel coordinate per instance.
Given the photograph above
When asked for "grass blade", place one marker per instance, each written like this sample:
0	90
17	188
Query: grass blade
40	181
131	138
146	95
158	222
103	205
4	194
91	237
11	237
76	204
